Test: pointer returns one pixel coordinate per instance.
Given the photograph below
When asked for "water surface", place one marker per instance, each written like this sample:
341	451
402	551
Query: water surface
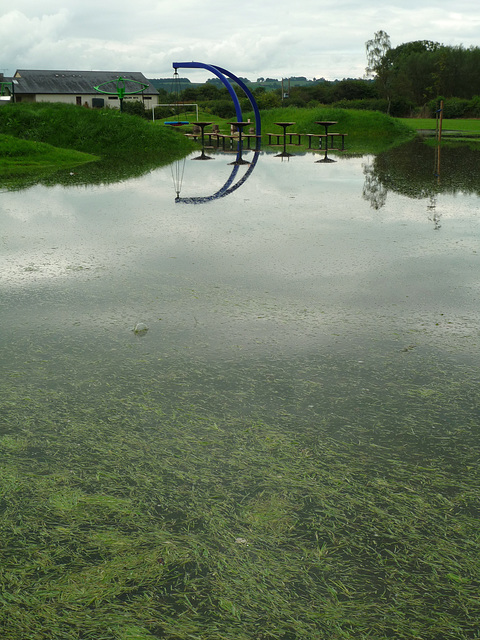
307	385
296	263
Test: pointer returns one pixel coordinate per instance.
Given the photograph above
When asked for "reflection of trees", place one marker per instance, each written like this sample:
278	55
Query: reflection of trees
373	190
101	172
434	215
411	170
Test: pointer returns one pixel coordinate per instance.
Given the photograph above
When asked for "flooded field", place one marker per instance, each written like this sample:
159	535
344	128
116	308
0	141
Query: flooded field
242	401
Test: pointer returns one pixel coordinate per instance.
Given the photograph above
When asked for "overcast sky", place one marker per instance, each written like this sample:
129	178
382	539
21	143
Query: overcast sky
253	38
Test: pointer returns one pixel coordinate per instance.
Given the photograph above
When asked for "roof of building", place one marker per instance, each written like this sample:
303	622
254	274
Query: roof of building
83	82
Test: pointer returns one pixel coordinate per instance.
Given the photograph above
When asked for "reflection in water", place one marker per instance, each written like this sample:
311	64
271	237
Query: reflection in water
225	190
434	215
326	158
373	190
407	170
308	365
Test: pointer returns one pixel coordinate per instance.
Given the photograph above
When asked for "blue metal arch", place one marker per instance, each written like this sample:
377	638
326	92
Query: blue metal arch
221	74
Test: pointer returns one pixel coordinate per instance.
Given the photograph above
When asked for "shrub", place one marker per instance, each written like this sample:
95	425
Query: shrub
366	104
473	108
222	108
455	108
134	107
452	107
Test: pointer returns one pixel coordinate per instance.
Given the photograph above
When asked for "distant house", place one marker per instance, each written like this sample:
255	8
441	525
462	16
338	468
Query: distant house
77	87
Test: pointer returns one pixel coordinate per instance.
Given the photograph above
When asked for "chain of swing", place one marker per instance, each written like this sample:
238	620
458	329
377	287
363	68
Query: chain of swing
176	91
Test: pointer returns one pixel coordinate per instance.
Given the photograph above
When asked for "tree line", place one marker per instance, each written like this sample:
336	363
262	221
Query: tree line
408	80
423	72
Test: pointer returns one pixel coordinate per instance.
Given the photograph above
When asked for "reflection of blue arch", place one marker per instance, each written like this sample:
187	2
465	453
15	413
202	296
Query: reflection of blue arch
227	188
222	73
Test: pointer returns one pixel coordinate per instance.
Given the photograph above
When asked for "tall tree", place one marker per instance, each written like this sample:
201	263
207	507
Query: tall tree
377	63
376	49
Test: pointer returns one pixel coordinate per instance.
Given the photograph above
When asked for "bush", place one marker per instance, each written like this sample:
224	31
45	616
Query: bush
473	109
134	108
455	108
452	107
366	104
221	108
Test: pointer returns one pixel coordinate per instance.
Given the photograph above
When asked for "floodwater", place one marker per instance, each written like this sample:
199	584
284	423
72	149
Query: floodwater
307	287
243	399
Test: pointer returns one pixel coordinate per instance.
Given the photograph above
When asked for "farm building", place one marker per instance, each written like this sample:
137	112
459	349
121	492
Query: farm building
78	87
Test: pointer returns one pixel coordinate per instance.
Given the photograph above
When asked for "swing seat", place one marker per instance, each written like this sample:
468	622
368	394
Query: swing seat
176	123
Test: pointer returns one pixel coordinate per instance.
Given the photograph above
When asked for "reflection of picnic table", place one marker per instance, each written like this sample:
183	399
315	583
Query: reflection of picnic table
221	138
239	126
284	126
202	126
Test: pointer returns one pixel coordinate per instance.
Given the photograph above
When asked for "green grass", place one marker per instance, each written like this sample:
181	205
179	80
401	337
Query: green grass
22	156
455	133
125	143
468	126
129	145
368	131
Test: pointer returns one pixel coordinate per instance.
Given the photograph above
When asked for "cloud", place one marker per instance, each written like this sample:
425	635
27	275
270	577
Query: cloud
23	37
274	38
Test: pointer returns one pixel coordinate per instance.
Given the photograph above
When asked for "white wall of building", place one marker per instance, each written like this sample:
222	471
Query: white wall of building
86	100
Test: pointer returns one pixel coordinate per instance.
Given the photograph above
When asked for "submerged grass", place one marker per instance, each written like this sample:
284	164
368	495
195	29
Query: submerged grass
124	519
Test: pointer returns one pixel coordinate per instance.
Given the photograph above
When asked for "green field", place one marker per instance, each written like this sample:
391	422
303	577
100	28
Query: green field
465	125
367	131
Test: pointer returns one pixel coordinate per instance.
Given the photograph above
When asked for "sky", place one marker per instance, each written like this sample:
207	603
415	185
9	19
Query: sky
252	39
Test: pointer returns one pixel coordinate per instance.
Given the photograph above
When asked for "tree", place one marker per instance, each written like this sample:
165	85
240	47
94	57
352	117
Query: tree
377	62
376	50
413	70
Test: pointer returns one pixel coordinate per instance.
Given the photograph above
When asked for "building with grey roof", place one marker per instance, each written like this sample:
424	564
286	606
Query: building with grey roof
78	87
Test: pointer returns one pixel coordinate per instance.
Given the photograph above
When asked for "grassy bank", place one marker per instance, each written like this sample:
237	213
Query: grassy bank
368	131
129	145
125	142
464	125
22	156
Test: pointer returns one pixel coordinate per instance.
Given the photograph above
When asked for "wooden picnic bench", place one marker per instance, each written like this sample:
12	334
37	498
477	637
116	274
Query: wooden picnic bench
324	137
280	136
231	137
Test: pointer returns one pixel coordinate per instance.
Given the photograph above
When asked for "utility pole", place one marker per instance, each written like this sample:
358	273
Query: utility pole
285	89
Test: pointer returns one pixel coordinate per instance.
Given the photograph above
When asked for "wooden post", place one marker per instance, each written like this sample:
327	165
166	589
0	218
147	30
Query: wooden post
440	122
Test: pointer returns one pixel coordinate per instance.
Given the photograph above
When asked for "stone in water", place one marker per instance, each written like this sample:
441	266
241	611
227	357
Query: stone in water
140	328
